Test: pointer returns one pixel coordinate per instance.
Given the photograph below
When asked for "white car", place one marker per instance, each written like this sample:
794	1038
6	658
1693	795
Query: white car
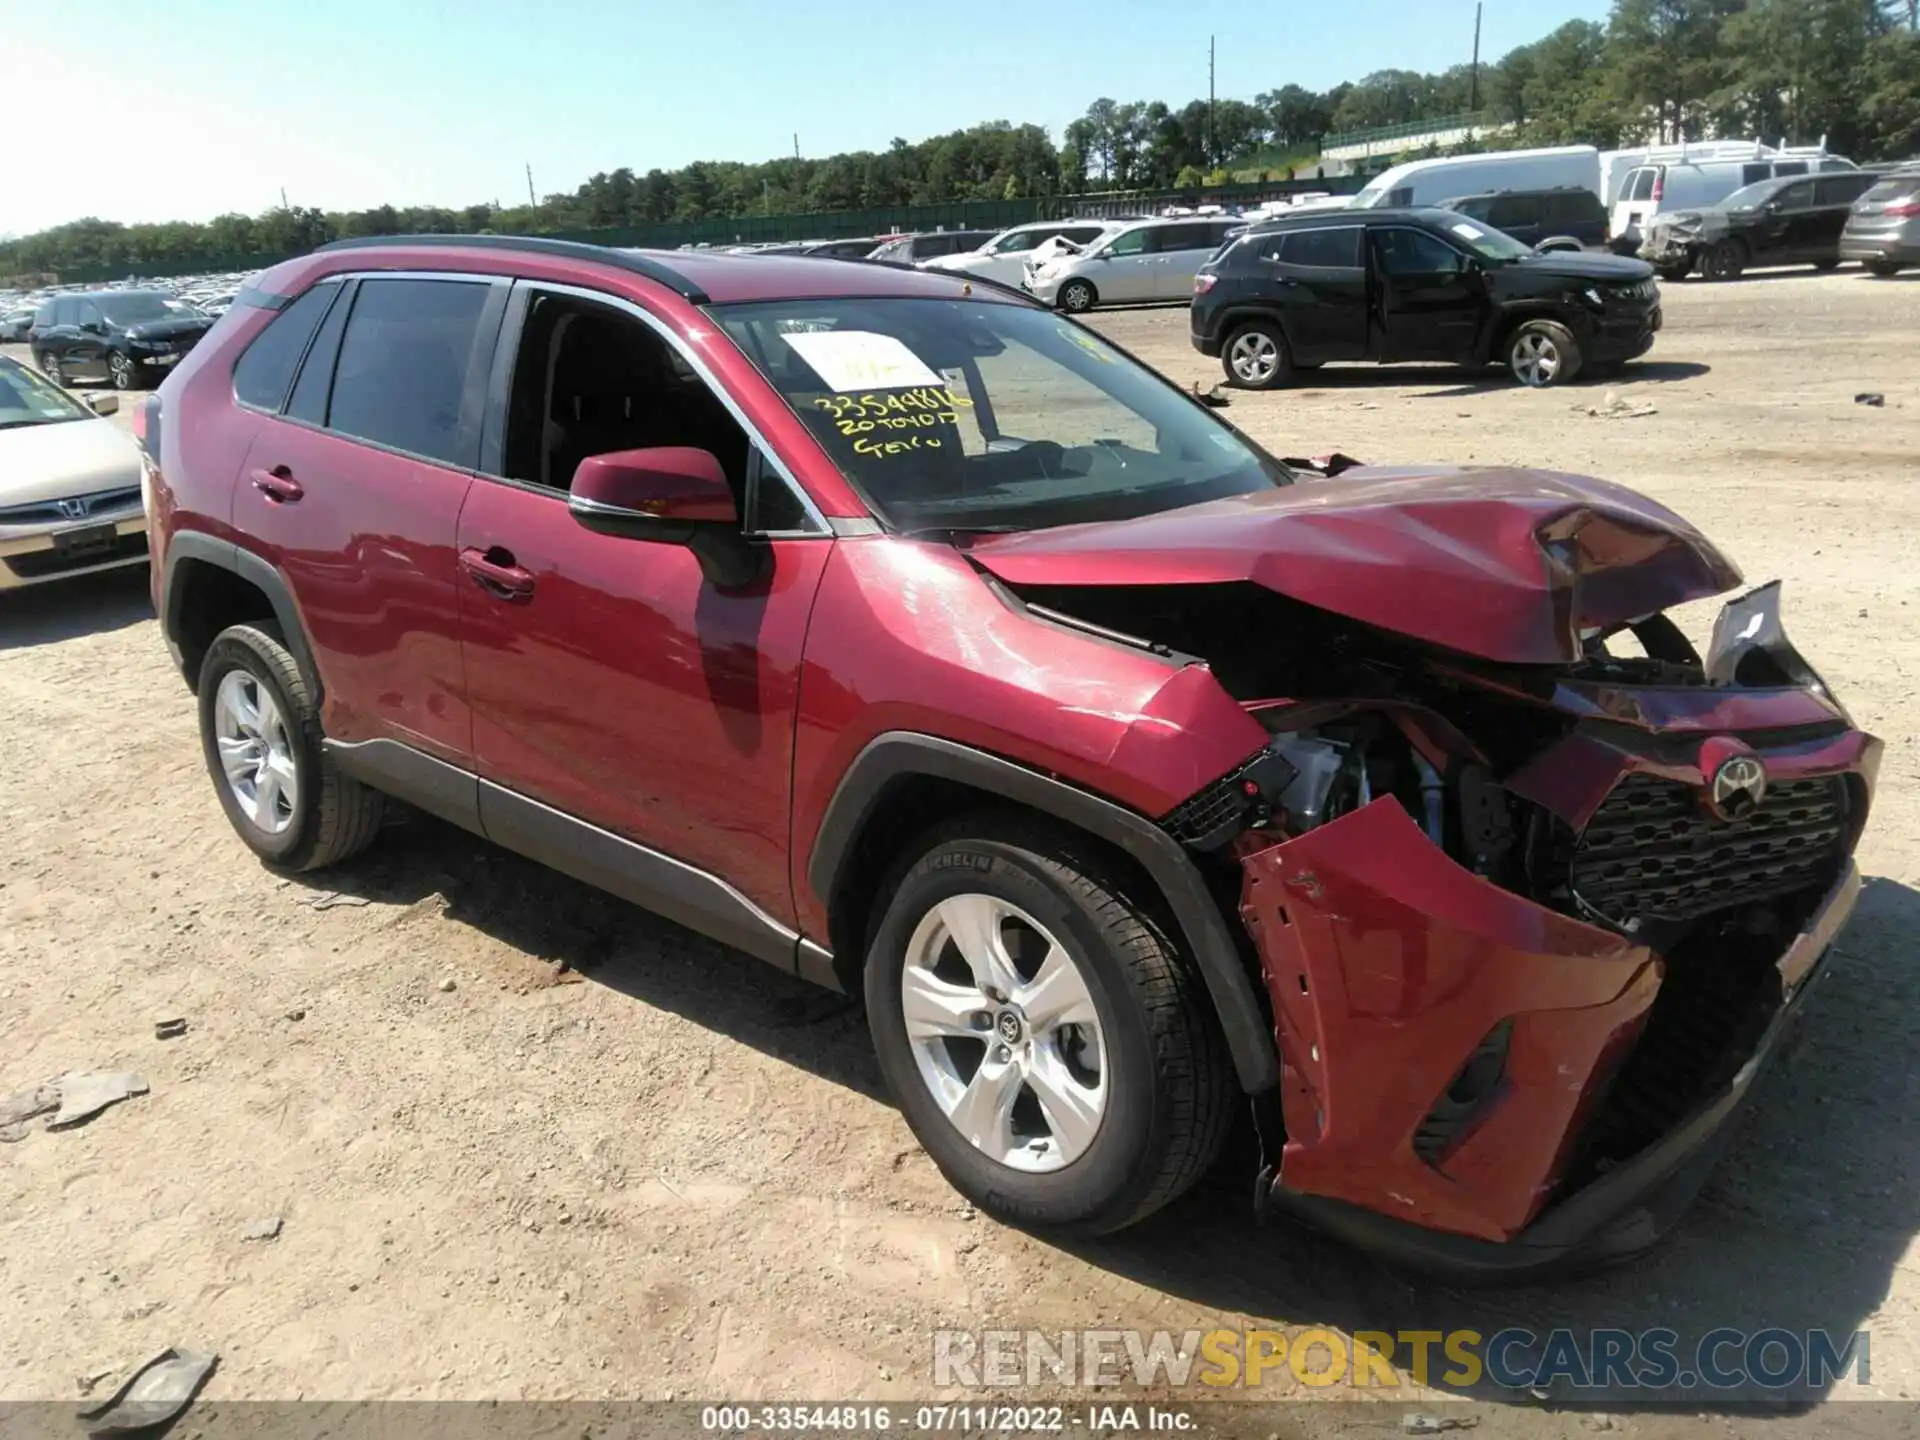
1004	257
70	483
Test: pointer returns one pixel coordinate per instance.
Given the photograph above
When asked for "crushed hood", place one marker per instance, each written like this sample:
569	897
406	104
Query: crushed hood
1508	565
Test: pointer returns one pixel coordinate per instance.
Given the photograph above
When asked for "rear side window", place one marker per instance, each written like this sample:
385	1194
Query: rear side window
1790	167
1185	237
1510	211
1323	249
1754	174
309	402
1840	189
265	372
1640	186
1573	208
403	365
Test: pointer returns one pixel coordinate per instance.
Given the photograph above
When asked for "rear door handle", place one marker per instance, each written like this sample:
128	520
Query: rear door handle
495	571
277	484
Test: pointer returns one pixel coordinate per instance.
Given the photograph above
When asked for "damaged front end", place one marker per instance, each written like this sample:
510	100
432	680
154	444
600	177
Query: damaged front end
1529	931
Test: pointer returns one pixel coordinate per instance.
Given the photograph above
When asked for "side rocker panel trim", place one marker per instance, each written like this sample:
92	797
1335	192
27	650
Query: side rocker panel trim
899	753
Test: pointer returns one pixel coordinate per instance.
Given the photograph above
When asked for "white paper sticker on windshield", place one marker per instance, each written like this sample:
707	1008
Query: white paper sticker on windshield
1468	232
853	360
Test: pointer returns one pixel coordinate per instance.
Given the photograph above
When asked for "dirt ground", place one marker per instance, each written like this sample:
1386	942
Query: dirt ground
611	1159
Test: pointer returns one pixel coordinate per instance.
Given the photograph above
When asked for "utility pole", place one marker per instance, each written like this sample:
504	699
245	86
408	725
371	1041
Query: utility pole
796	144
531	200
1473	85
1213	135
283	199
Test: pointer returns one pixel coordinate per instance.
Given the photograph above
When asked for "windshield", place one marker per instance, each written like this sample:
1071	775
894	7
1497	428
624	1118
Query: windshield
1752	197
974	415
1013	242
140	309
27	398
1487	242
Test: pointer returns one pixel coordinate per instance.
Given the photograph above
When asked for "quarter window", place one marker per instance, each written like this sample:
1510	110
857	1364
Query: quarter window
1323	249
265	371
403	365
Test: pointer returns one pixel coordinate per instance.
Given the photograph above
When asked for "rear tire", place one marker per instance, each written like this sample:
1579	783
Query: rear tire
1724	260
1885	269
1543	353
1257	357
1078	296
329	816
121	370
1094	1086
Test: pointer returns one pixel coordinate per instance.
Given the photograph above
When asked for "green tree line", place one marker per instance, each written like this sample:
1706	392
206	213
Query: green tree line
1847	71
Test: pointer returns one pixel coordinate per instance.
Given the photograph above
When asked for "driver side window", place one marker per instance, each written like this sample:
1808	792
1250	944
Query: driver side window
1134	242
1414	252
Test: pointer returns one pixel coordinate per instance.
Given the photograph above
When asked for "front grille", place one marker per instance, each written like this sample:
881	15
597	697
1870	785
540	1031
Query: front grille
48	512
41	564
1651	852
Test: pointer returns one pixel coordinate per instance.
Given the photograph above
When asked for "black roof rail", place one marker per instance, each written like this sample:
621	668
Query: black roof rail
633	260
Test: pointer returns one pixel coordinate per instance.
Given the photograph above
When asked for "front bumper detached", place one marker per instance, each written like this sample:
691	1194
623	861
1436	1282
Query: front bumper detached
1446	1045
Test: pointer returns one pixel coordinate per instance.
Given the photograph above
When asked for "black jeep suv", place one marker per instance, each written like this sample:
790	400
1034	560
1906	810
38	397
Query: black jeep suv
1393	285
1568	218
121	336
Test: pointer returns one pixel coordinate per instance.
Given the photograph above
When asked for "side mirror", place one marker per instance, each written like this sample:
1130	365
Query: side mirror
668	495
104	404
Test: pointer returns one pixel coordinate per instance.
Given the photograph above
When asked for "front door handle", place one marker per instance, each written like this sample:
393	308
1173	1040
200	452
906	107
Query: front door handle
495	571
277	484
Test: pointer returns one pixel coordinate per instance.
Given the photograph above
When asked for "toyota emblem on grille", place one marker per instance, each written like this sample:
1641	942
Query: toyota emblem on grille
1738	787
75	509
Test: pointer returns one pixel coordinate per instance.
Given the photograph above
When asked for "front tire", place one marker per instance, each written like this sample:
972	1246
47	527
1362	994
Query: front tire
260	732
1078	296
1257	357
121	370
1724	260
1049	1047
1543	353
50	367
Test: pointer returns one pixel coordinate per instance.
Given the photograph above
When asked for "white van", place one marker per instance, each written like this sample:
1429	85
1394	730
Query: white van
1428	182
1693	176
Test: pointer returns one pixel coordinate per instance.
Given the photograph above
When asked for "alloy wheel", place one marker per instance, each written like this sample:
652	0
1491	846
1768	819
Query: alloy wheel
256	751
1077	296
1254	357
121	369
1536	360
50	367
1004	1032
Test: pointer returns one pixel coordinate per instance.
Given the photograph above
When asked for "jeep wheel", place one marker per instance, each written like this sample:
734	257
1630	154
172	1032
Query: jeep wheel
1823	266
260	731
122	371
1256	357
1675	273
1077	296
1047	1044
1724	261
1542	353
50	367
1885	269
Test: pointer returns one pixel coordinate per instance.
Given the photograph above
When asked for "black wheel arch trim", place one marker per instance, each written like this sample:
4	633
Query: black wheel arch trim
229	556
899	754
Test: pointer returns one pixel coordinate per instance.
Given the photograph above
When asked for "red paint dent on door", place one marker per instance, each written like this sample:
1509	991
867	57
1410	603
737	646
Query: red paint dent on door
1387	965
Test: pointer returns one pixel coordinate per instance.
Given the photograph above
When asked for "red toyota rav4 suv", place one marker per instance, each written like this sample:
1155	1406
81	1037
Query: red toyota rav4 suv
917	640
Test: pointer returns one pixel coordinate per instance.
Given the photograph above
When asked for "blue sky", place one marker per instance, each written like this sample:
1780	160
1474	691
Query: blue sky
348	103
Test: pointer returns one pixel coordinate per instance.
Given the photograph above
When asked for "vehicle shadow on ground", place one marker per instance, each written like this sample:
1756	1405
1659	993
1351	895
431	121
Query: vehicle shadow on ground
1482	380
67	609
1801	1226
565	927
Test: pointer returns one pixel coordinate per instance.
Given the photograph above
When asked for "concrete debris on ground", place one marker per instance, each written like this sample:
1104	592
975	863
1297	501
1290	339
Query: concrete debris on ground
84	1094
329	899
1617	407
1435	1424
23	1105
169	1029
267	1229
158	1391
1871	397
